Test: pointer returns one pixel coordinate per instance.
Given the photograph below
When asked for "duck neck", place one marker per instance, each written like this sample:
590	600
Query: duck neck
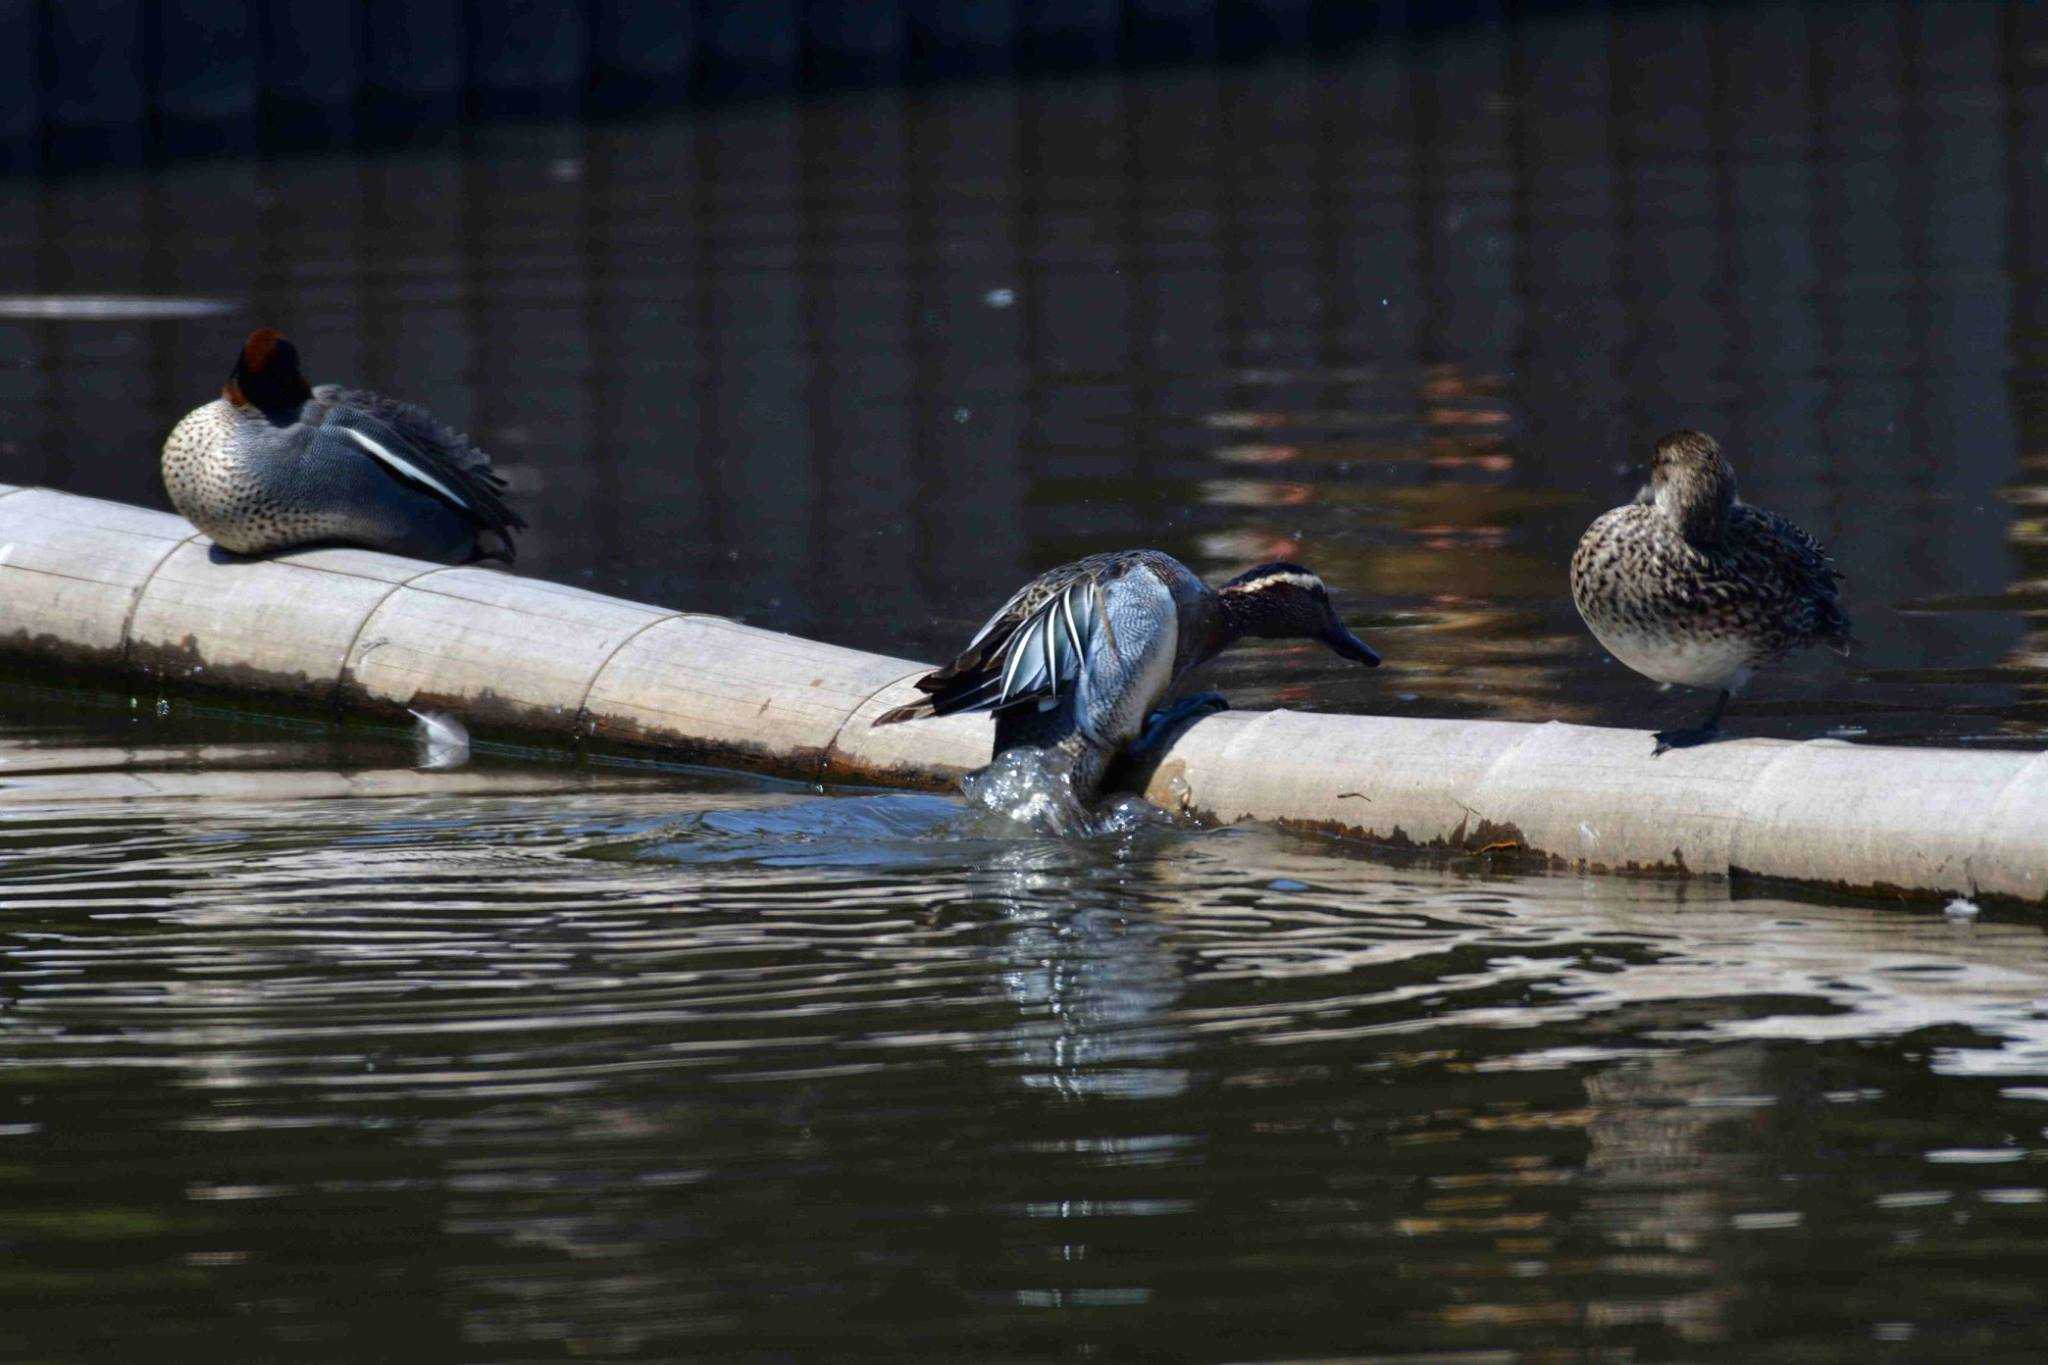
1231	617
1698	504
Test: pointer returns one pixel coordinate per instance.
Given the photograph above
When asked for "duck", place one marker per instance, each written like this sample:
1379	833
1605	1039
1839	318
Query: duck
276	464
1075	662
1689	585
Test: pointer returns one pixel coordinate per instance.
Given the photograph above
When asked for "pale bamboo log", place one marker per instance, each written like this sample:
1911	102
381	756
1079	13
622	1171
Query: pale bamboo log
505	652
764	699
282	627
138	594
70	570
922	753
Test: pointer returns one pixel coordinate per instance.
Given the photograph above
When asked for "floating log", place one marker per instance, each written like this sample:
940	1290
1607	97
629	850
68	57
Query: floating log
140	594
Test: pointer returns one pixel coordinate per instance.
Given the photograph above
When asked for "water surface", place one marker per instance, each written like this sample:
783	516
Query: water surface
729	1070
855	367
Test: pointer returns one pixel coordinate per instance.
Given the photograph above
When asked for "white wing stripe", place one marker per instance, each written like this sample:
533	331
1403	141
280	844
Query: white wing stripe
1013	660
1052	645
1067	619
404	467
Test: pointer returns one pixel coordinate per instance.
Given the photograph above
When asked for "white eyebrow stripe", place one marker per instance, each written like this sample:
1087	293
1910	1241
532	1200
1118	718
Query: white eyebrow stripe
1299	580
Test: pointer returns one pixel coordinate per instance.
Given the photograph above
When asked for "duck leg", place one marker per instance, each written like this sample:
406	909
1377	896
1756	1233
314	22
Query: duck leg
1698	734
1163	723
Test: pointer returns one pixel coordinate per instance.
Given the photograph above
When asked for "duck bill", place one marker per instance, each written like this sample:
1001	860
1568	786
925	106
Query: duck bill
1350	646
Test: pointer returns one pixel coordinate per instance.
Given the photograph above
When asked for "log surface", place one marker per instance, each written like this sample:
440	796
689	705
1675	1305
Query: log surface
139	594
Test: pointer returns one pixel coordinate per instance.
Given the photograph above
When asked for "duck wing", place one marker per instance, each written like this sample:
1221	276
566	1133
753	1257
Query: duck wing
411	446
1782	556
1032	651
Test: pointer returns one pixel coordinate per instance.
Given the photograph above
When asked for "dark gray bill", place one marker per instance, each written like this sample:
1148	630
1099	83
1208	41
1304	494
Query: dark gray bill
1349	645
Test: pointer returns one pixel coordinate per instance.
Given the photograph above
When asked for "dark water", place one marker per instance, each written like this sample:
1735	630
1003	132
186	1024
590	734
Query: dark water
856	368
741	1071
532	1061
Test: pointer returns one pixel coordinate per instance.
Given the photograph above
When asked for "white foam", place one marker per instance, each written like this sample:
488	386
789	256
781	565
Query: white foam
1030	786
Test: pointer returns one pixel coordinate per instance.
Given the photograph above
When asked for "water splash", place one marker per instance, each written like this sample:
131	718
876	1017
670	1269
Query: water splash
1030	786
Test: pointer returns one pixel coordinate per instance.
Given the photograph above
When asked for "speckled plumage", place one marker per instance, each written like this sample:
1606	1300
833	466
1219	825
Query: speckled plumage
274	465
1689	585
1076	660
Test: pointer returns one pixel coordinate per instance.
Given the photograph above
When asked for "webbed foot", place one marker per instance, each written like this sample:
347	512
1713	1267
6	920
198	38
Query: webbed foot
1161	724
1686	738
1708	729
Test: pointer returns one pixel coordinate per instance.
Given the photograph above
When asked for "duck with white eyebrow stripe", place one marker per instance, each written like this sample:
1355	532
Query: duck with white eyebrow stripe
274	464
1074	663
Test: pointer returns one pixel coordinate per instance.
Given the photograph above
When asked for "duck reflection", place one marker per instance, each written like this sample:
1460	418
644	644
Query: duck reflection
1666	1147
1091	970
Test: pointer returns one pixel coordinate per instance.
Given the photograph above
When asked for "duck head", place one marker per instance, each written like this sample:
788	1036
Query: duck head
1692	484
1287	602
266	377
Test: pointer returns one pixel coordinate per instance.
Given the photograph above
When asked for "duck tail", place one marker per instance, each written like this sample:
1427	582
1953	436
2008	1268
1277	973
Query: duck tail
917	710
1836	630
504	552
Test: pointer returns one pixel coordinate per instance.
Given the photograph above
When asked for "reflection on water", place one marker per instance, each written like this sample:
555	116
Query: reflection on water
858	366
1093	982
736	1068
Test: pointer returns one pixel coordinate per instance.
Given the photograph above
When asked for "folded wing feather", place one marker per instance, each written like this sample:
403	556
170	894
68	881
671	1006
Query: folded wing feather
467	484
404	468
1032	651
1046	651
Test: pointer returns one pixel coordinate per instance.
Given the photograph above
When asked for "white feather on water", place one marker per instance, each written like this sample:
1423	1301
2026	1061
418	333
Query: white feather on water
443	742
